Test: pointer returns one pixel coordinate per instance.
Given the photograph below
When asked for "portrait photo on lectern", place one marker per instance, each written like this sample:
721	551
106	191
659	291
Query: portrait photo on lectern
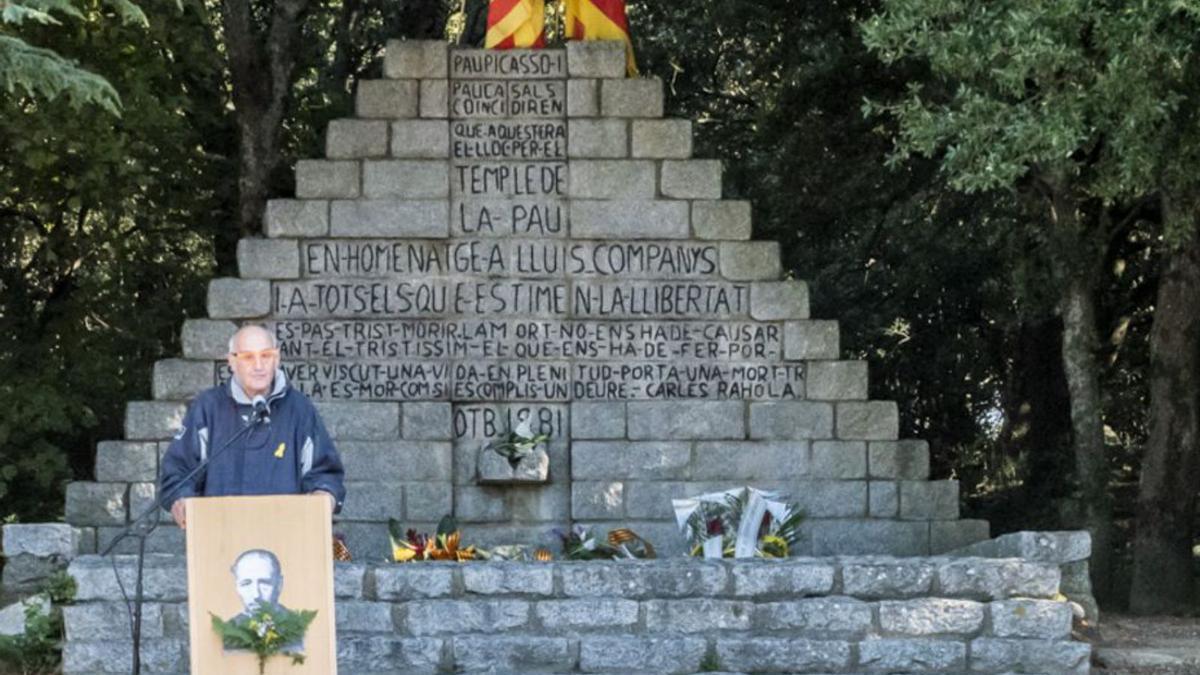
263	622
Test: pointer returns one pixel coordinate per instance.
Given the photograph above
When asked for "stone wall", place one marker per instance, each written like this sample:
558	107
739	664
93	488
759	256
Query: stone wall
845	615
506	237
497	237
1069	550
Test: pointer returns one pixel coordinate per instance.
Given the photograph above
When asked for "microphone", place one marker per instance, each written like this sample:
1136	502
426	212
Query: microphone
262	412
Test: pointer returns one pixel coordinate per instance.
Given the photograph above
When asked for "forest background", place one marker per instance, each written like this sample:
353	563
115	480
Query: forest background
995	199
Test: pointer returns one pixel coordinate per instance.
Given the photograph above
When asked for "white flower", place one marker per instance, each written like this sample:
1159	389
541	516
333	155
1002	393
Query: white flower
523	429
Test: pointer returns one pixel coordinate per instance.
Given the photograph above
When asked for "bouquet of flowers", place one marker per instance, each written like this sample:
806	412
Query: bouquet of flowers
514	553
444	545
739	523
517	443
579	543
269	630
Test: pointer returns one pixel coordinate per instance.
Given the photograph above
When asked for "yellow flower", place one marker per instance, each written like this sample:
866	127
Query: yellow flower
447	548
774	547
403	554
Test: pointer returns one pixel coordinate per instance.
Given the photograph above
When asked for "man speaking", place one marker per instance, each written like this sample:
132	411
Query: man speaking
287	451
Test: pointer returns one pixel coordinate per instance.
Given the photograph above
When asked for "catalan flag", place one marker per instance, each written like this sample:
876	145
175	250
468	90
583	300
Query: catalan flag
516	24
600	20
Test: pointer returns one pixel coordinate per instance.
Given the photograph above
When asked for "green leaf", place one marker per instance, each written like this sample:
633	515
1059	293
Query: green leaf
447	525
41	72
129	13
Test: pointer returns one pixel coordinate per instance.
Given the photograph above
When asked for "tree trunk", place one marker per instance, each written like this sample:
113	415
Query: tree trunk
1079	351
1039	412
1162	553
261	61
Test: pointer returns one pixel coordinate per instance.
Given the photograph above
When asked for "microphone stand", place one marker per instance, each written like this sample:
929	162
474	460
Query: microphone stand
257	416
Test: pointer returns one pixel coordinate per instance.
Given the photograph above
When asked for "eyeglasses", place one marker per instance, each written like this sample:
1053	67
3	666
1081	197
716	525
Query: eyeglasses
250	358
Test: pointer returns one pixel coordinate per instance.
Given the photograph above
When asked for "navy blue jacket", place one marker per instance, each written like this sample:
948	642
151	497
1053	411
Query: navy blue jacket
291	453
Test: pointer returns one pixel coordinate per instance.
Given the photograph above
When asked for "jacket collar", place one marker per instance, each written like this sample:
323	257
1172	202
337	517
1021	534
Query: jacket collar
278	389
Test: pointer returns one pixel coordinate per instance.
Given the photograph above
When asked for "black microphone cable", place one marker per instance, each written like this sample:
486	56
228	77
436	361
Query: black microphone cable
134	607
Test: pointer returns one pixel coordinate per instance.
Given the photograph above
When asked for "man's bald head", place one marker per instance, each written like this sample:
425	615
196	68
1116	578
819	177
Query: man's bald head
252	332
253	358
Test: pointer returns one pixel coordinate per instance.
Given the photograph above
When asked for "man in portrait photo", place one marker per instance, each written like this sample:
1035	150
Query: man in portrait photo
258	580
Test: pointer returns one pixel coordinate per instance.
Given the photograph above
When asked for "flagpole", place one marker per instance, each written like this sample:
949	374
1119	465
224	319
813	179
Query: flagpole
562	21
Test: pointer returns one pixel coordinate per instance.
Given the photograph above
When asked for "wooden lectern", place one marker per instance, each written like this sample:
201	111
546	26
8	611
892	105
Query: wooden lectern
282	547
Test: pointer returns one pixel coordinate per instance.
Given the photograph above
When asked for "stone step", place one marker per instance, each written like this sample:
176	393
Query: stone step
35	551
710	220
548	299
372	653
394	259
418	179
803	340
153	420
862	577
579	139
490	513
1053	547
804	615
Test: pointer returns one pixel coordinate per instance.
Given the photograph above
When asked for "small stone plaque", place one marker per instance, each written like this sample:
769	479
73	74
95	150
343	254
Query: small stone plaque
525	258
476	140
509	179
481	99
538	217
508	64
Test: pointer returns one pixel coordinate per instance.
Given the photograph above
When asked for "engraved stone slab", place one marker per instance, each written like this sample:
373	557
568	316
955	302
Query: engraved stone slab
509	218
508	140
696	380
430	298
514	338
509	64
472	380
484	421
685	300
325	258
509	179
482	99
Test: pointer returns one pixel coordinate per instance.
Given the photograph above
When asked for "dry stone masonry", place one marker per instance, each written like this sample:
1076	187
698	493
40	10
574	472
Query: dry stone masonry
502	236
836	615
521	236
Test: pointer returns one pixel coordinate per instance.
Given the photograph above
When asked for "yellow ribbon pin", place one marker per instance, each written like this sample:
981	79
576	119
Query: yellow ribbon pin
279	450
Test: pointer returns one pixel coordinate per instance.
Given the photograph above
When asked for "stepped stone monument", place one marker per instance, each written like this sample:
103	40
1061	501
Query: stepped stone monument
501	238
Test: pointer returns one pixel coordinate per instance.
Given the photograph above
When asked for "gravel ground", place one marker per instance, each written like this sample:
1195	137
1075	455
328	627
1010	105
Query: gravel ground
1147	645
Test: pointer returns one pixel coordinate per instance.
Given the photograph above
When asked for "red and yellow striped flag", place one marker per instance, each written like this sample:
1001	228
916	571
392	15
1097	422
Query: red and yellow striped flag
600	20
516	24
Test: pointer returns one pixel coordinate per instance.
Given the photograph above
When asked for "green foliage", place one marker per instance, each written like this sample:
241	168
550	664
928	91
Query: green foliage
446	526
42	72
1074	92
105	242
60	587
39	649
580	543
516	444
37	412
774	538
268	631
